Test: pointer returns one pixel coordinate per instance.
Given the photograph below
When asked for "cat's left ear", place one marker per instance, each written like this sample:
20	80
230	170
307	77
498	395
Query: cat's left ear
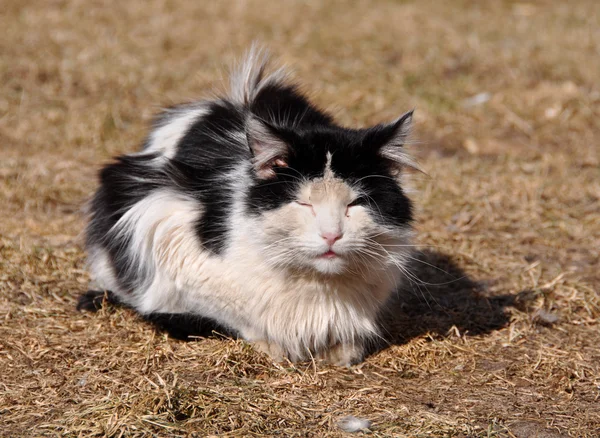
268	149
391	138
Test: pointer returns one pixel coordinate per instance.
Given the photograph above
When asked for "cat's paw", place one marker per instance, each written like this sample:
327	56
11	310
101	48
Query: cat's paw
342	355
276	353
93	300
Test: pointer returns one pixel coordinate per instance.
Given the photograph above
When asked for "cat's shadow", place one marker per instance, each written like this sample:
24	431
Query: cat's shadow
440	299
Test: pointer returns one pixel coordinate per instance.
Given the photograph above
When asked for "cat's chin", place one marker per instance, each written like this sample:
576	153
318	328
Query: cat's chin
330	265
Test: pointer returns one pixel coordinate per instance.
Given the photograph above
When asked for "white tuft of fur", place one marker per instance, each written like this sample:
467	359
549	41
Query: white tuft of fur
101	269
175	123
249	77
352	424
148	224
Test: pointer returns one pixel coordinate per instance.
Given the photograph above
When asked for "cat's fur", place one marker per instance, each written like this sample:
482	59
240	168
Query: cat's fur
228	212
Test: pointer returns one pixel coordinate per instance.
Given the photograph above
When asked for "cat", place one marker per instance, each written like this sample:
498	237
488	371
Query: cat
257	214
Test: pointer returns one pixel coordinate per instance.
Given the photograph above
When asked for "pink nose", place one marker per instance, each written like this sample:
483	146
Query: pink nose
331	237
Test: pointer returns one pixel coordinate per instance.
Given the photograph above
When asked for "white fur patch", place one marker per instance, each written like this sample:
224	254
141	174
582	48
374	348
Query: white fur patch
328	173
160	217
165	138
101	269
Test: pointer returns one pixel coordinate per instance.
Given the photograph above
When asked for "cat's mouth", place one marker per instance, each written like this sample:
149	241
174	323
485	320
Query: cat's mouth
328	255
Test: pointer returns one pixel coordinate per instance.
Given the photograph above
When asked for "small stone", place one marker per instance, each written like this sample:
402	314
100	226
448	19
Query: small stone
471	146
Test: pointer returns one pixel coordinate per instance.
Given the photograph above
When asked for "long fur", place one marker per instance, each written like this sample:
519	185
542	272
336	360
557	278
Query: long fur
221	216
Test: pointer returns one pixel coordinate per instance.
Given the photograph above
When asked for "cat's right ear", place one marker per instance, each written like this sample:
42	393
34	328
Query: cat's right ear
268	150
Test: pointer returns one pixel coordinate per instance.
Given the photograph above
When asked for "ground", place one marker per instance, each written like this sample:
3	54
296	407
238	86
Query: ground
505	344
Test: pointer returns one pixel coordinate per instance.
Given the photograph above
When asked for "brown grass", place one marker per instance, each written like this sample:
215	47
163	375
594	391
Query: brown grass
511	206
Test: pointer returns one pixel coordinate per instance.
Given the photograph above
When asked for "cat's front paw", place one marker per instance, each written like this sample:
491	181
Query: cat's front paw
276	353
342	355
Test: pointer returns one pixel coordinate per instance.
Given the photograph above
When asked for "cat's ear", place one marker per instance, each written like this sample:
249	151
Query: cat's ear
268	150
390	139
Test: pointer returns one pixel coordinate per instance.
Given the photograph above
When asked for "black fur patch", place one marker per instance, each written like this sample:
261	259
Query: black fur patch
209	150
185	326
93	300
286	106
361	164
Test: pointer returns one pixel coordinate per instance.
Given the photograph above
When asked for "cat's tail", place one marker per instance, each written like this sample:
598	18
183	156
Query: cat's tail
248	78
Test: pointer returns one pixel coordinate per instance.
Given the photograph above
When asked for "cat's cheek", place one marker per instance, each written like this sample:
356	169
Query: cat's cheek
358	221
303	227
279	223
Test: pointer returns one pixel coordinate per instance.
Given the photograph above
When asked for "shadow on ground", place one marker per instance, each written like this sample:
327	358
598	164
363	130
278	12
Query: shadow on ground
442	298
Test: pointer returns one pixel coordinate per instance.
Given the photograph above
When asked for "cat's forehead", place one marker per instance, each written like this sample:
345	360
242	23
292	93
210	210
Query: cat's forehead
331	141
329	187
341	151
330	190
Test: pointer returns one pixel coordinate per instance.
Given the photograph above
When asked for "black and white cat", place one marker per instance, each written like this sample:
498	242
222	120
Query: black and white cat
258	213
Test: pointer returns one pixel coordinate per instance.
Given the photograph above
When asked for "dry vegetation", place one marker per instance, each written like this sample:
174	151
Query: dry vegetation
511	209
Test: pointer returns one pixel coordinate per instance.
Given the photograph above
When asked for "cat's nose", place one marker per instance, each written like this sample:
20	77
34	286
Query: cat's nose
331	236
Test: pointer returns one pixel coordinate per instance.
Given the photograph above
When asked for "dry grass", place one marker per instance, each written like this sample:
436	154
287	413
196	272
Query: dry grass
512	203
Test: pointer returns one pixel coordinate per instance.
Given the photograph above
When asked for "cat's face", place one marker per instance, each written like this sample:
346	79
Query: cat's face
330	201
327	227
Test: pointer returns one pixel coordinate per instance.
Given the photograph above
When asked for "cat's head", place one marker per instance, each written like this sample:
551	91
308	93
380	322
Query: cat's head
329	199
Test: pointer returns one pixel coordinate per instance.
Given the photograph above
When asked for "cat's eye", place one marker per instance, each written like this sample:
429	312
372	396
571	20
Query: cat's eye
306	204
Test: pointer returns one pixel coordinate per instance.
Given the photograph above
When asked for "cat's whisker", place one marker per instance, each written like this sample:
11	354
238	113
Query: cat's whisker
374	176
